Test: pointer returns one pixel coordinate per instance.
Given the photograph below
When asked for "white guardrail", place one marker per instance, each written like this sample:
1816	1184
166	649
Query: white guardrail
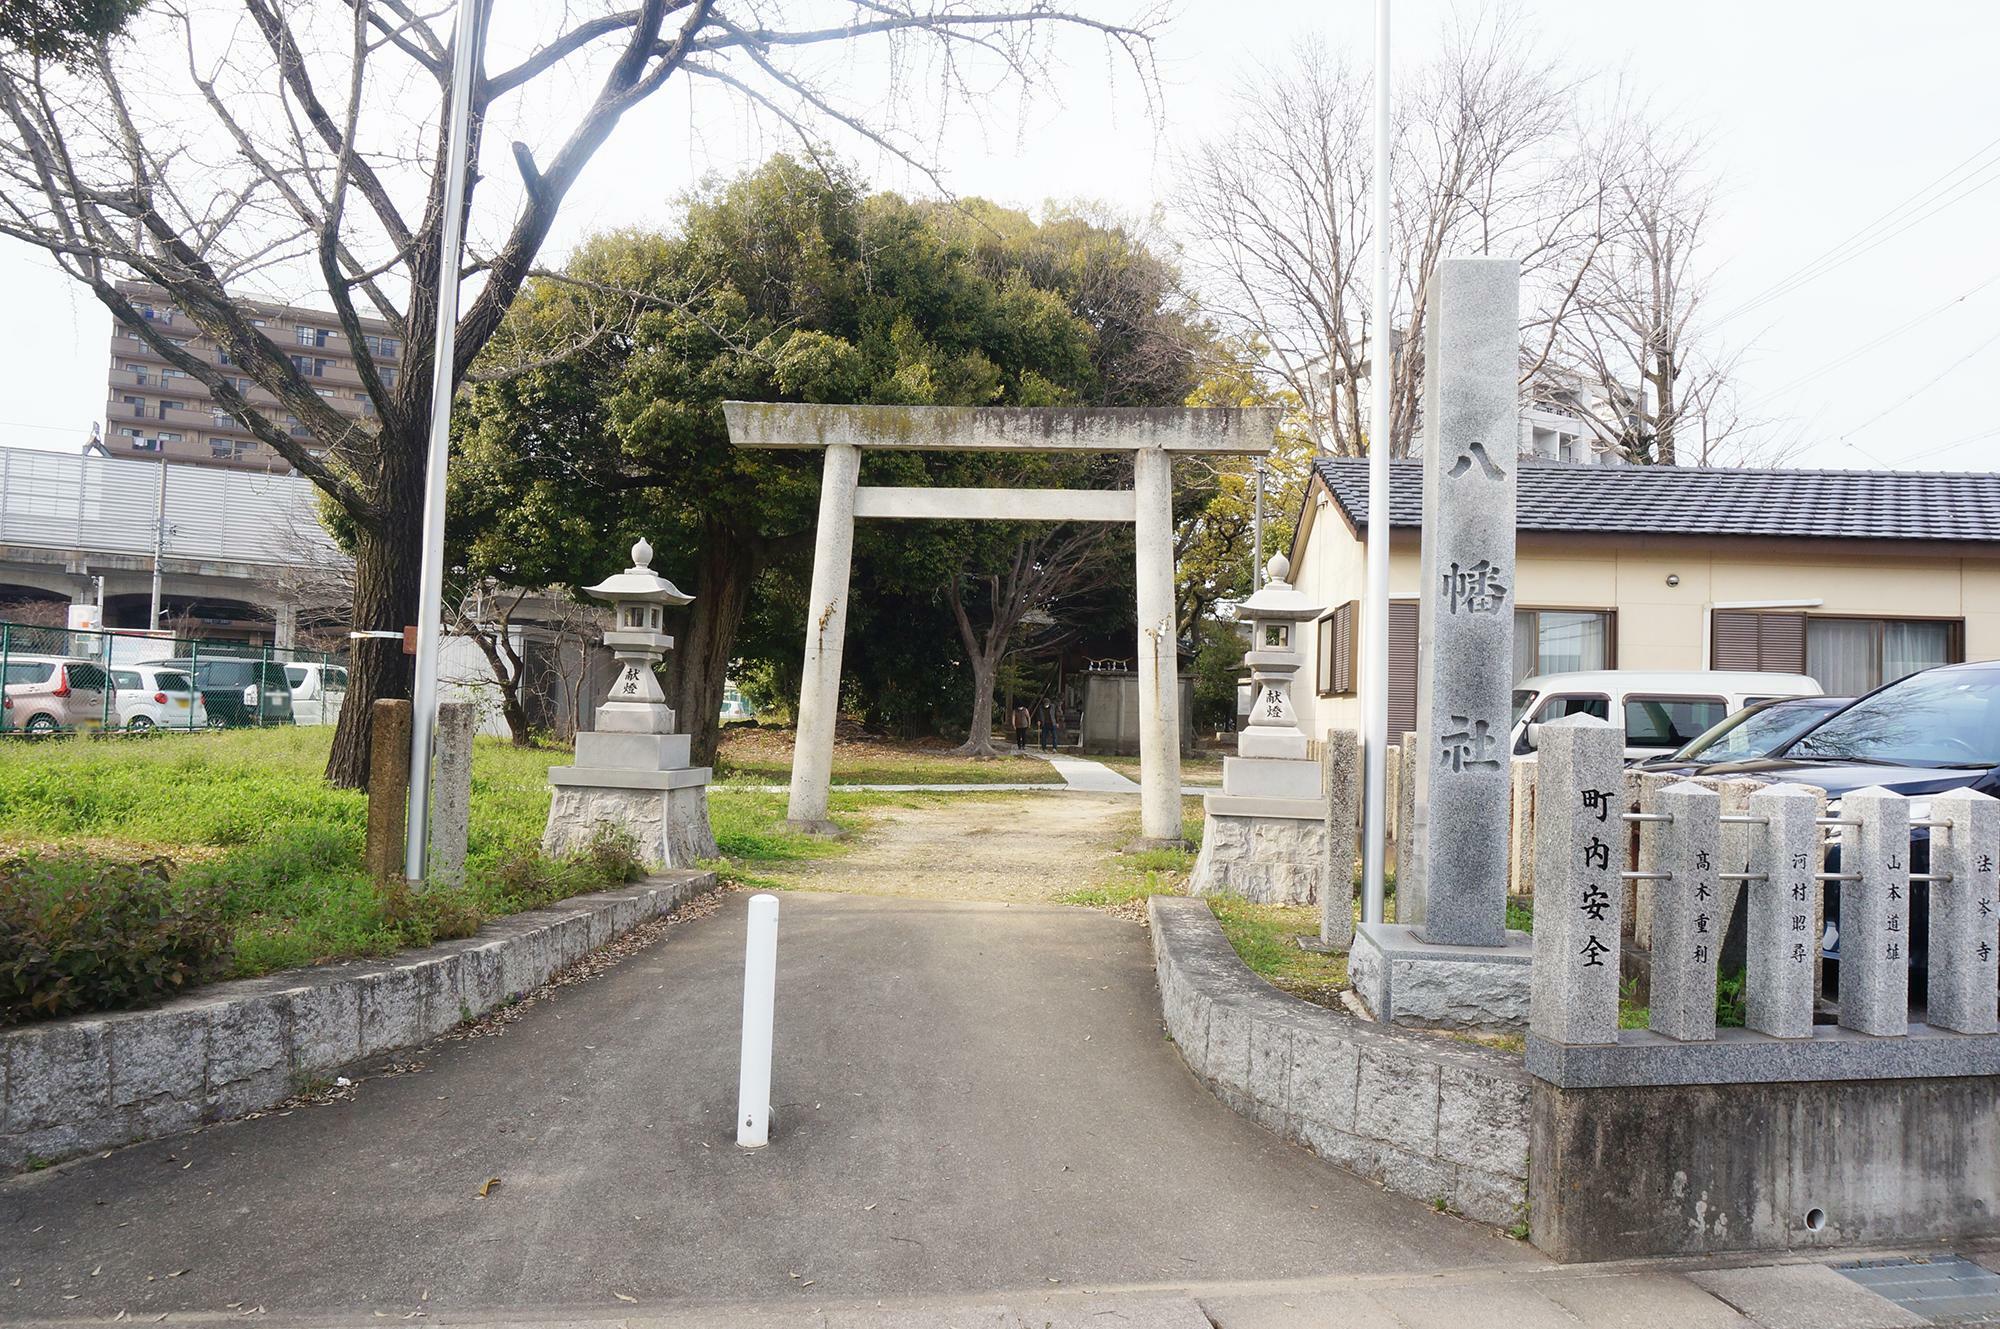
108	505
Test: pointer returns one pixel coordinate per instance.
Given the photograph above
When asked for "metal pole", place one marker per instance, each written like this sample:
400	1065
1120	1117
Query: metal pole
760	997
159	542
1375	597
430	593
1257	525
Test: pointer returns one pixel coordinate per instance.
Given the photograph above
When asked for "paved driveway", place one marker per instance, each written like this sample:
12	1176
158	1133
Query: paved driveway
973	1097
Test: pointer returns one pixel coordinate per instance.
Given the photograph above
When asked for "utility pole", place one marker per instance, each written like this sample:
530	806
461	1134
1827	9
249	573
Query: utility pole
1375	594
159	542
470	32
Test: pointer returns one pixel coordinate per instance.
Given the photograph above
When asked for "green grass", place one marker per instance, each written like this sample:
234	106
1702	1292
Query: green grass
1730	1010
247	820
909	768
1266	937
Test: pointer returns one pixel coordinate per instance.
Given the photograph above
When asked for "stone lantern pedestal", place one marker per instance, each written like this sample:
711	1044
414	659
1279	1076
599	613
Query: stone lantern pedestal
633	774
1266	838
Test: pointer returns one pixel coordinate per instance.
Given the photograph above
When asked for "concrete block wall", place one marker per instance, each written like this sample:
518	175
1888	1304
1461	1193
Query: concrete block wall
68	1087
1421	1116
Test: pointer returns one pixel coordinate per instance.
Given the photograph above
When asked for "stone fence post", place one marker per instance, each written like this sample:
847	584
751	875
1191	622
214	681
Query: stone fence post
1687	919
1964	912
1340	776
1579	778
388	786
1781	943
1875	913
451	802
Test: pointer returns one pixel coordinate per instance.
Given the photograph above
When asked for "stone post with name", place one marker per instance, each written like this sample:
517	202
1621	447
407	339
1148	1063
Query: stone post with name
1465	638
1687	924
1781	946
1579	838
1965	912
1875	913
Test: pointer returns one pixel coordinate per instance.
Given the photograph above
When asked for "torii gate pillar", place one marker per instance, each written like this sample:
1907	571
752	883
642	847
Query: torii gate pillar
1152	436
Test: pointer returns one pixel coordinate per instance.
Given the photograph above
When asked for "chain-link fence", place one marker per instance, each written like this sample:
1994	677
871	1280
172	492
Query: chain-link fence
62	680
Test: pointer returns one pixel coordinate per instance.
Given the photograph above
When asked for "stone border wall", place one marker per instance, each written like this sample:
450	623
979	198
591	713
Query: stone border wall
1422	1116
90	1082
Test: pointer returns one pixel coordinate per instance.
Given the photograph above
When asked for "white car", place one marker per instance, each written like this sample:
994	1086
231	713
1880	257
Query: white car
1662	710
156	697
317	692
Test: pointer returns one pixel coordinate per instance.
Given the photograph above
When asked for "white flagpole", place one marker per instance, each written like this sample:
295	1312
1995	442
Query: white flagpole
1375	597
424	698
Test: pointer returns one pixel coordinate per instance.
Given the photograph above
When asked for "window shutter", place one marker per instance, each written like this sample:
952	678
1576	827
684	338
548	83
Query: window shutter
1344	643
1781	642
1402	666
1733	640
1746	639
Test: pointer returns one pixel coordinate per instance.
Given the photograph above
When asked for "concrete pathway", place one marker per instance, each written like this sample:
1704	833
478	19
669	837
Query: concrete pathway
974	1100
1080	775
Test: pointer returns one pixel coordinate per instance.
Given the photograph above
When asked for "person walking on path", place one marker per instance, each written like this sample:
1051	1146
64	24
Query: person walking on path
1050	741
1022	720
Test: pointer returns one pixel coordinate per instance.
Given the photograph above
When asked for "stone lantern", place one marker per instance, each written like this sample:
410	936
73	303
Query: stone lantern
632	772
1277	614
1266	837
636	596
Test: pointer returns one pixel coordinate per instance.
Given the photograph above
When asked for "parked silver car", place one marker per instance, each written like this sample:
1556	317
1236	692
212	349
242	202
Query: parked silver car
155	697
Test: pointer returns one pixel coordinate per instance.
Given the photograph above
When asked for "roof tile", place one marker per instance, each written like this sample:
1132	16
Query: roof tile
1686	500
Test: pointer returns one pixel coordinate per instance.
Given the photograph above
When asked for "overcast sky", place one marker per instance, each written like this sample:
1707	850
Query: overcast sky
1823	117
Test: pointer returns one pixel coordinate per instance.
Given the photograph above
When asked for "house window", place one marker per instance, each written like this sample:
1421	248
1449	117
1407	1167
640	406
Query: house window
1561	641
138	405
388	376
222	356
220	447
1335	666
166	437
166	406
383	348
312	336
126	431
1846	656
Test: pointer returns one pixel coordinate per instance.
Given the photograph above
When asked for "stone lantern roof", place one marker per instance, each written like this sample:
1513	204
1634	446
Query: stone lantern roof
639	582
1278	600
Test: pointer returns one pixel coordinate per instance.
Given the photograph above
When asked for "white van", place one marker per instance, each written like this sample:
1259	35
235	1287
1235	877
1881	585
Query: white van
1662	710
317	692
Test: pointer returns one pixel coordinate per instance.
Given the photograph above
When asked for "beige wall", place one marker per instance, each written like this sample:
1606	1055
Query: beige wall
1661	626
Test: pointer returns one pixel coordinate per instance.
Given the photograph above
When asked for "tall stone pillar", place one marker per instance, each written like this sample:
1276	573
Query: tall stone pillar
1158	660
826	625
1465	652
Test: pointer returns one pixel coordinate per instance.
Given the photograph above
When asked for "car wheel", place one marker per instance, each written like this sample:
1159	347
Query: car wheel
140	724
42	725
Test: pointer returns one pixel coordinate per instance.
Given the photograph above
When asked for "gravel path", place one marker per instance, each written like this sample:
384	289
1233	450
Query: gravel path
1032	847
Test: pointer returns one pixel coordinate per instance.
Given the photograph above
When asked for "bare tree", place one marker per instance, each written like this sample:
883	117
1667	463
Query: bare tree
1050	564
1487	162
230	144
1637	318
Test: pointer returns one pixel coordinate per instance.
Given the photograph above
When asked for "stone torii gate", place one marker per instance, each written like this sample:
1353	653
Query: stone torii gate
1152	436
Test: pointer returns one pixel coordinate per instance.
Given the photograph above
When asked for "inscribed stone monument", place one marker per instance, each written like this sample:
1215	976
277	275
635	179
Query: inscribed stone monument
1466	617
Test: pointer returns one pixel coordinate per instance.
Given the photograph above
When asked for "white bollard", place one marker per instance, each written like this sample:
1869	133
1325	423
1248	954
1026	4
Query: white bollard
760	995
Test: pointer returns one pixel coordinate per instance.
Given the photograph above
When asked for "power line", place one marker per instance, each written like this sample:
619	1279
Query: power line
1894	332
1957	443
1895	218
1917	391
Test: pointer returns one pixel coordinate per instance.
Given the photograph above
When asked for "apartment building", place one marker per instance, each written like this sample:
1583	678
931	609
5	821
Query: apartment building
153	409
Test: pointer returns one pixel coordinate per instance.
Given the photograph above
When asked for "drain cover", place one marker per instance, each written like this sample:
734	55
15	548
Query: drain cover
1944	1289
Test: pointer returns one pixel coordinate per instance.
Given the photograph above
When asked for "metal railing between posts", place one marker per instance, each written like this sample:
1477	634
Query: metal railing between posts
1695	859
68	680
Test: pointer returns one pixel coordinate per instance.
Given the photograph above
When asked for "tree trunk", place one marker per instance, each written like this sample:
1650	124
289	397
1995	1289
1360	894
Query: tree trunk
979	740
386	557
724	574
